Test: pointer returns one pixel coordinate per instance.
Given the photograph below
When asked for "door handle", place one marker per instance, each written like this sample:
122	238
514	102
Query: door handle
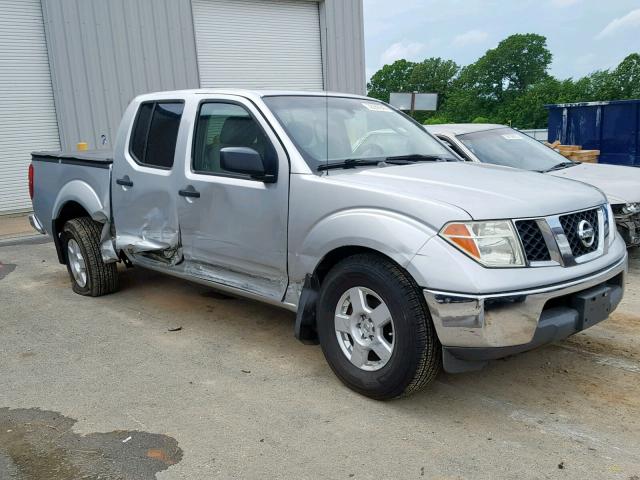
189	192
125	181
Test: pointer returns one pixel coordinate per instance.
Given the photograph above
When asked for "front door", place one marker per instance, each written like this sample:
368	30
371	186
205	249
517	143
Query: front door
144	197
234	227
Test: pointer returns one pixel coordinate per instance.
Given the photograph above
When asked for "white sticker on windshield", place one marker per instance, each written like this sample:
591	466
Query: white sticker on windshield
512	136
376	107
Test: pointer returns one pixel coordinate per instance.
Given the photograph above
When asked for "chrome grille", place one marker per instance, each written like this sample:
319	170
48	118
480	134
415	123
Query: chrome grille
535	248
570	224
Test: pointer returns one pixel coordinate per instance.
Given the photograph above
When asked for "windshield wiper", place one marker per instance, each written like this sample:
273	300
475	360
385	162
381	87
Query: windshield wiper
395	160
350	163
419	157
560	166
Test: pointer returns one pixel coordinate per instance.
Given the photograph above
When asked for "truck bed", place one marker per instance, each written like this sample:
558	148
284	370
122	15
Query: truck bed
95	158
62	178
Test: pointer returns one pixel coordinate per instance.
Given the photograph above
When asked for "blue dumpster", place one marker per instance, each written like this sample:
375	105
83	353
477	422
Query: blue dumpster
611	127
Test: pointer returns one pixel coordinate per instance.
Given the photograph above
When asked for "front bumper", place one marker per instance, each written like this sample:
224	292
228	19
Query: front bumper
512	319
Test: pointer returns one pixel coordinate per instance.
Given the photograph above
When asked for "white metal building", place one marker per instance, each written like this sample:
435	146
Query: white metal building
68	68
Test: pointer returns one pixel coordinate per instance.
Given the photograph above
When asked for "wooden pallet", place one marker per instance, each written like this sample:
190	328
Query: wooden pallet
575	152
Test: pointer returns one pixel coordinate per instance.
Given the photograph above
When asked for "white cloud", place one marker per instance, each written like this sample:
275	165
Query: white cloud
630	20
469	38
404	49
564	3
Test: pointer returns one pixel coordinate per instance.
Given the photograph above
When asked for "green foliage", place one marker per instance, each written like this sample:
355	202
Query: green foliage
434	75
508	84
626	77
435	120
516	63
391	78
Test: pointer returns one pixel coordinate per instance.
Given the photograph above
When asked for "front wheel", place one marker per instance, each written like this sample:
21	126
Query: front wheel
89	274
375	329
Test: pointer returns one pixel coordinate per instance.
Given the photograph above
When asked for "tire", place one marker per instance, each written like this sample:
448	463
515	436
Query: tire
82	235
415	356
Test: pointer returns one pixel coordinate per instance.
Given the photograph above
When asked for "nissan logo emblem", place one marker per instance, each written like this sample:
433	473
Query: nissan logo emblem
586	234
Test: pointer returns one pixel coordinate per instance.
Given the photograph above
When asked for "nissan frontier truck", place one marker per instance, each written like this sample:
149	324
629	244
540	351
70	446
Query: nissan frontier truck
396	257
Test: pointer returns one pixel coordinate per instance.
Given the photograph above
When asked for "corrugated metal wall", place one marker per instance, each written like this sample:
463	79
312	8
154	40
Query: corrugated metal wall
342	32
104	53
27	113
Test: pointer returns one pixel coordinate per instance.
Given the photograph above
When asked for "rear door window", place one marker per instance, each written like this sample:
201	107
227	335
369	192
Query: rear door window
155	133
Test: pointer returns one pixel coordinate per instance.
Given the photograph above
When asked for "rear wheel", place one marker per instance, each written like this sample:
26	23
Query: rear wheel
375	329
89	274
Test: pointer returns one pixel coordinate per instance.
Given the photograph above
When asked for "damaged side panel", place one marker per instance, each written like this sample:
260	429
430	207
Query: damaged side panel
145	180
267	285
147	229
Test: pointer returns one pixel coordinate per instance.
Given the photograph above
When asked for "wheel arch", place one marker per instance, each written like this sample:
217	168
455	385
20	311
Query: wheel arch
76	199
68	211
338	254
306	320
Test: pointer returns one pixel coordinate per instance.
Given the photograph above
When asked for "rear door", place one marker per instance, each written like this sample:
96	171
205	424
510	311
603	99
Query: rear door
144	197
234	228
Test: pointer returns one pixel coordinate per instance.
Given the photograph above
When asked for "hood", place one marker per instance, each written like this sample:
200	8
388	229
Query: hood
484	191
620	184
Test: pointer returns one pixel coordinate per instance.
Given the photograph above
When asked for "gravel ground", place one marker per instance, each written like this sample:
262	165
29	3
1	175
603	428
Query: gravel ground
100	388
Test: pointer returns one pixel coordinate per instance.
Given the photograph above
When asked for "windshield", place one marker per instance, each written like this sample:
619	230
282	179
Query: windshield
508	147
335	129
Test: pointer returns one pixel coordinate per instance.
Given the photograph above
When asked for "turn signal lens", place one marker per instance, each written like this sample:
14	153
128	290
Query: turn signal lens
459	235
493	243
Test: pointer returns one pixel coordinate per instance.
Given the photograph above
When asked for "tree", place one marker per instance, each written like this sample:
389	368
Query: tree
626	77
597	86
462	105
518	62
508	84
391	78
434	75
481	120
527	110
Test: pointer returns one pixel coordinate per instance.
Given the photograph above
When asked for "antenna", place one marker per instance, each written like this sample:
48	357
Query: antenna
326	94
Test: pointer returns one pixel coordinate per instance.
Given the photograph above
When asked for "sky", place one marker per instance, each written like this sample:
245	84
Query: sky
582	35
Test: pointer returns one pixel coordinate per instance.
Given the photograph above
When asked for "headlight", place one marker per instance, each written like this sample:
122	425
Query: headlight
493	243
631	208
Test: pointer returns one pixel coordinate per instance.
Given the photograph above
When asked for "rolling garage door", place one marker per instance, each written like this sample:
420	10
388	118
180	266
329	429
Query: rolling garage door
258	44
27	113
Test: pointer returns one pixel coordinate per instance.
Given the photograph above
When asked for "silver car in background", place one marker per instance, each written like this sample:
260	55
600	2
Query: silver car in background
502	145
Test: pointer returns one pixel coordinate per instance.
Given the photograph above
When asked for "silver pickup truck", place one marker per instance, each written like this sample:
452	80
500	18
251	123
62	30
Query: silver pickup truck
396	257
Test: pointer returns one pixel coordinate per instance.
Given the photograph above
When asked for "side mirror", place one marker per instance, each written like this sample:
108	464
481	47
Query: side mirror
246	161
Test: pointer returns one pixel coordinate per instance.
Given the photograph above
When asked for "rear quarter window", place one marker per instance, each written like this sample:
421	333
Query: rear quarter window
155	133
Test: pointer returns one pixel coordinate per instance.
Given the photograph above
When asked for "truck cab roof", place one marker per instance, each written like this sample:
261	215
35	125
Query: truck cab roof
247	93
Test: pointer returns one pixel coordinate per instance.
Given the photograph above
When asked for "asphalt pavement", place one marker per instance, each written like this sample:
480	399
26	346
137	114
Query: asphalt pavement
171	380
